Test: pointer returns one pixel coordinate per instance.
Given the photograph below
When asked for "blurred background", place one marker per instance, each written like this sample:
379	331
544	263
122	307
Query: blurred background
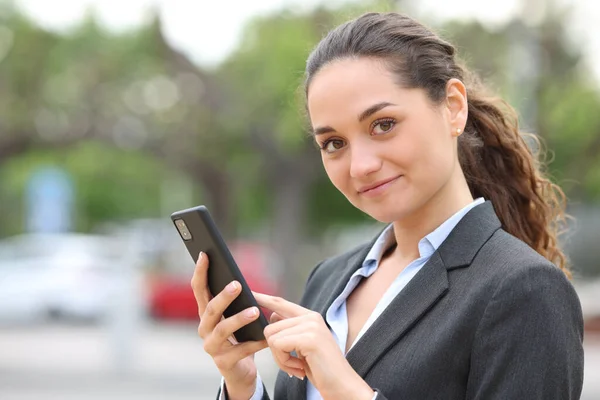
114	114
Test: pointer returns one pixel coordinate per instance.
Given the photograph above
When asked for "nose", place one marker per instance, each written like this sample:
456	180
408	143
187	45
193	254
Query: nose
364	160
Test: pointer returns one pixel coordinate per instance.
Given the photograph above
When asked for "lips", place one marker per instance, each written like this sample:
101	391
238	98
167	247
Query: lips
375	185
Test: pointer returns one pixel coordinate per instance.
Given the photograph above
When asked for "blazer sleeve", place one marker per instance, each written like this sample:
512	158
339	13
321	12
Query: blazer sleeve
222	394
528	344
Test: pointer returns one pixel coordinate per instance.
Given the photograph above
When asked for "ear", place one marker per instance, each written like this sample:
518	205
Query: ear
456	104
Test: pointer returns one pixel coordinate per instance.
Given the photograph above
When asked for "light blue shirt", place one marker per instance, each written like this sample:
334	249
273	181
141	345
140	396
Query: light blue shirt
336	315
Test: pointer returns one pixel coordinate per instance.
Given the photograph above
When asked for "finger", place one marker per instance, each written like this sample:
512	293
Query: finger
199	282
286	362
225	328
290	365
298	373
286	359
222	335
300	342
281	349
275	318
248	348
299	338
283	324
226	359
293	366
214	309
279	305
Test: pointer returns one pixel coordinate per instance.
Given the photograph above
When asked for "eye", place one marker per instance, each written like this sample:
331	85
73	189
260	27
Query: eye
382	126
332	145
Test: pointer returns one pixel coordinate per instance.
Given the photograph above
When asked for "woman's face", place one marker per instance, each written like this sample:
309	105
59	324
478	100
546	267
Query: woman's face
389	150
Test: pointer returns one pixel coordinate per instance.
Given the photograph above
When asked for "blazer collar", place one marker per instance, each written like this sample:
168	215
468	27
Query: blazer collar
345	272
459	248
469	235
421	294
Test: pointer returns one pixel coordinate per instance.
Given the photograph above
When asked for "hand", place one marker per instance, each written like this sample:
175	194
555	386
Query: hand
295	328
235	361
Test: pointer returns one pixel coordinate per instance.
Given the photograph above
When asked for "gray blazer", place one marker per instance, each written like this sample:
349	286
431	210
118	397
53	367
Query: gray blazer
486	318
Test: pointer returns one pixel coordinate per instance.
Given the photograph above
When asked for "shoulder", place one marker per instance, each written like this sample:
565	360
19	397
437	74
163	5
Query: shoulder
504	272
510	256
525	316
511	269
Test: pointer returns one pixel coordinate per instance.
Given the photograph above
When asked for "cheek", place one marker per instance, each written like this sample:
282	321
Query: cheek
410	149
338	172
438	159
428	154
330	170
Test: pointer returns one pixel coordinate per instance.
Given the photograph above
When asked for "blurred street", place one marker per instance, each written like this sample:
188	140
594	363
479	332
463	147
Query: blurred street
76	362
591	381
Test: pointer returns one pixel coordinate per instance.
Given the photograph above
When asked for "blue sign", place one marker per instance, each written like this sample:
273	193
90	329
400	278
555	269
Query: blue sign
49	201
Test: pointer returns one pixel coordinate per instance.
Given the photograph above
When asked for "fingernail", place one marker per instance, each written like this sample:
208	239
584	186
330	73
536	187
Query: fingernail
200	255
232	287
300	377
251	312
290	375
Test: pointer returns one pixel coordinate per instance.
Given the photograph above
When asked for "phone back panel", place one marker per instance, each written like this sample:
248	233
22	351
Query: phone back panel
222	267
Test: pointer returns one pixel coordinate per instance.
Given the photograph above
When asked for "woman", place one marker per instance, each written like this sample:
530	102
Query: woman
464	295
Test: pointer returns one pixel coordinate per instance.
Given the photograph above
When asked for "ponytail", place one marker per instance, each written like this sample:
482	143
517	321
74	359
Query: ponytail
499	166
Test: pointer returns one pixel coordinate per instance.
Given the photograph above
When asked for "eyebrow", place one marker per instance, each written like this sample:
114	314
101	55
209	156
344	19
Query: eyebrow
364	115
373	109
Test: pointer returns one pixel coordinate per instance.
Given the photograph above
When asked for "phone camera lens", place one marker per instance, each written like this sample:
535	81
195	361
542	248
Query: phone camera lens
183	230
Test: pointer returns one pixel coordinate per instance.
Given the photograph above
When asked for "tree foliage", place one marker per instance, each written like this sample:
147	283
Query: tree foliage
127	112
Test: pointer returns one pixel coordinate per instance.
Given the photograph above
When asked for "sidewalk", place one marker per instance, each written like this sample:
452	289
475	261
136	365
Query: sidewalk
65	362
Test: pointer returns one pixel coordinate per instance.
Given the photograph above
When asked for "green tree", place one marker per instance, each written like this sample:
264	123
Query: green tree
131	91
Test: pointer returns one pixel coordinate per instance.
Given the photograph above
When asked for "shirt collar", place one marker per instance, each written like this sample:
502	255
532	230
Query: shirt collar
437	237
385	240
427	245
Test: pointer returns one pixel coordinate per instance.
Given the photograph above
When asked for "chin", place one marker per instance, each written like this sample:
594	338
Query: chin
390	210
384	214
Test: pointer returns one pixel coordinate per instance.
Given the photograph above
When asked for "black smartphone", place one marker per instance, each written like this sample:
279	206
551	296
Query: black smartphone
199	233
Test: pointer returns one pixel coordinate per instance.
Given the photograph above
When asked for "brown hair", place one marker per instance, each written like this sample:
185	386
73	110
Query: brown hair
495	159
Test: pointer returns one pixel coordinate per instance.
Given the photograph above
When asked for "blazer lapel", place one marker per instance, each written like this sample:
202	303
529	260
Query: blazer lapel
353	264
297	387
427	287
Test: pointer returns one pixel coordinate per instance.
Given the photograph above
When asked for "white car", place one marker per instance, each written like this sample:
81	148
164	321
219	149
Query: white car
64	275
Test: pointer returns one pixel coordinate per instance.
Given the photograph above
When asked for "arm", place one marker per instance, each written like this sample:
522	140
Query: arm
529	342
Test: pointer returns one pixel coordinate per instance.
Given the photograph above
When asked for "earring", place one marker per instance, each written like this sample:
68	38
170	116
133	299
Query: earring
458	130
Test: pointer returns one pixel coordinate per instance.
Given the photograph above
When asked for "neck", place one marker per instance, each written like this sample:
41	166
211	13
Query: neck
409	230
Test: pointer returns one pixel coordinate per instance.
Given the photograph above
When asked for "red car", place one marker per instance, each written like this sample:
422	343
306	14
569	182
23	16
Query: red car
173	298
